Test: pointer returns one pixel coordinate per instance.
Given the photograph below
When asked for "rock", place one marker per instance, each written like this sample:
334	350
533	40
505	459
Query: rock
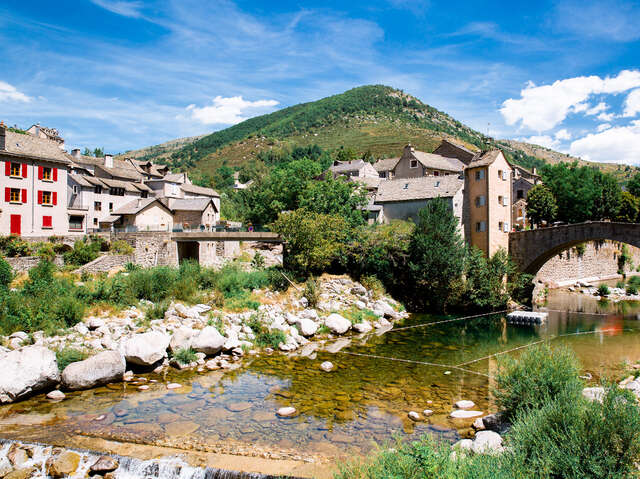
26	371
359	290
202	308
308	327
335	346
427	412
103	368
414	416
286	411
174	386
309	314
463	445
81	328
181	310
327	366
94	323
145	349
239	406
56	395
594	394
17	455
363	327
495	422
478	424
359	304
337	324
465	414
464	404
5	466
181	428
383	306
487	442
181	339
212	364
63	465
209	341
23	473
103	465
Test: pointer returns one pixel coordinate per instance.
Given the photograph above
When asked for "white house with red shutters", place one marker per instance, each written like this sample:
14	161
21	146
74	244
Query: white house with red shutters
33	181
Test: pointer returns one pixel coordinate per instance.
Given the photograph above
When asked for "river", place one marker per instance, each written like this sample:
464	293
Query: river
428	362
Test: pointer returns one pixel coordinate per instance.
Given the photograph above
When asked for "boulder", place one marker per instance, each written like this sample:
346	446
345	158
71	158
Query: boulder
145	349
383	306
593	394
181	310
495	422
326	366
363	327
335	346
103	465
27	371
464	414
463	445
63	465
17	455
103	368
308	327
5	466
209	341
487	442
414	416
286	411
181	339
337	324
94	323
56	395
465	404
22	473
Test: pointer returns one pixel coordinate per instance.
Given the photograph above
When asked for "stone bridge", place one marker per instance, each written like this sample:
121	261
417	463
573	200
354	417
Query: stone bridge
532	249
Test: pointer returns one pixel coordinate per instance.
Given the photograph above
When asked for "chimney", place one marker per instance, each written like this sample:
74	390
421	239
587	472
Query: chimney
75	152
3	128
534	170
108	161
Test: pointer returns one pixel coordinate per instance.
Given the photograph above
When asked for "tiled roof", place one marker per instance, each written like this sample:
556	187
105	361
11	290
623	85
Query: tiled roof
127	185
369	181
352	165
174	177
438	162
425	187
386	164
485	159
135	206
81	180
194	204
199	190
33	147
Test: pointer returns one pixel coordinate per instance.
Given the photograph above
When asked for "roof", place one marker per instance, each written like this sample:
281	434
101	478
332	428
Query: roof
347	166
110	219
174	177
369	181
120	169
33	147
425	187
437	162
194	204
386	164
136	206
154	169
199	190
127	185
81	180
485	159
526	172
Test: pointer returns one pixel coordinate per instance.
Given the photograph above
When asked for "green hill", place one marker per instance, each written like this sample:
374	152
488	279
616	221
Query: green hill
374	119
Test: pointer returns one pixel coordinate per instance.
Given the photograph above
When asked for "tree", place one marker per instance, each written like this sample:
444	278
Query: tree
628	211
223	177
87	152
336	197
633	186
98	152
541	205
346	154
436	254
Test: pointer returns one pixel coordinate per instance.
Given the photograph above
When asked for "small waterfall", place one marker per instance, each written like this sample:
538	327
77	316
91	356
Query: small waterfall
129	467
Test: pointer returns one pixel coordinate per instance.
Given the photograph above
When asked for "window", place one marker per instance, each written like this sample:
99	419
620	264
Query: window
500	225
437	184
413	164
110	206
95	221
505	175
47	222
436	173
98	190
481	226
75	222
116	191
144	194
480	175
46	174
46	198
75	189
15	169
97	206
500	175
505	201
506	227
382	174
14	195
480	200
520	194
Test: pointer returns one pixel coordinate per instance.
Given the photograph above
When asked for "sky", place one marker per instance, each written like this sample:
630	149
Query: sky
124	74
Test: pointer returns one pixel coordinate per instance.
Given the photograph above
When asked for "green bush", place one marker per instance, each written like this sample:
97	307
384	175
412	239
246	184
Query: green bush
311	292
264	336
603	290
538	376
68	311
69	355
6	274
620	285
277	280
373	284
157	310
83	252
631	289
185	356
258	261
241	302
121	247
14	246
635	281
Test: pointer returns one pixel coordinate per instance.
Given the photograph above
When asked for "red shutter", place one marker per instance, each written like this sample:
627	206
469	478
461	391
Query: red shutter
39	197
24	170
24	195
55	174
47	222
7	168
39	172
54	196
7	194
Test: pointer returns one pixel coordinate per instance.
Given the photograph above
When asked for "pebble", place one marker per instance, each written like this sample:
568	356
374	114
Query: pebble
286	411
414	416
464	414
174	386
56	395
144	387
447	372
326	366
465	404
427	412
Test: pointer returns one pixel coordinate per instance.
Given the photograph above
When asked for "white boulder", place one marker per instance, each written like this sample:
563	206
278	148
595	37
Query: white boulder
464	414
209	341
363	327
26	371
145	349
103	368
465	404
337	324
487	442
308	327
181	339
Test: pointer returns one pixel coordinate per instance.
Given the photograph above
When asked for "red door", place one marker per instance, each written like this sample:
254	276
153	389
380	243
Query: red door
15	224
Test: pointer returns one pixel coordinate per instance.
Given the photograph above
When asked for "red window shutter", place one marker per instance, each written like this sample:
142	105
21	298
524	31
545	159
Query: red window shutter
7	194
55	174
54	197
7	168
47	222
39	197
39	172
24	170
24	195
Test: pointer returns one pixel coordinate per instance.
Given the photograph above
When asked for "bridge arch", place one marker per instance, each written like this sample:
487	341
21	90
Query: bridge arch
530	250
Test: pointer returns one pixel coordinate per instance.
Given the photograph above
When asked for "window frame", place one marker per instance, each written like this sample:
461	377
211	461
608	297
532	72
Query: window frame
18	192
97	206
81	223
12	174
47	174
44	196
479	175
46	226
411	163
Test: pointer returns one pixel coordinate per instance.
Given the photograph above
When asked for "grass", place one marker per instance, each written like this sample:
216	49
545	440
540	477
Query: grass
69	355
264	336
356	315
603	290
185	356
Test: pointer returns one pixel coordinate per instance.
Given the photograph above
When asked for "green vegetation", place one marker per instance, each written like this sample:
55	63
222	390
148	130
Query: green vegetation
556	432
185	356
603	290
264	336
69	355
541	205
311	292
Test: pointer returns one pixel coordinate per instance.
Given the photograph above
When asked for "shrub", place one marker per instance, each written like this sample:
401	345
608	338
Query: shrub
356	315
121	247
46	251
620	285
603	290
157	310
265	337
277	280
311	292
6	274
68	311
241	302
635	281
538	376
258	261
373	284
17	247
185	356
69	355
82	253
631	289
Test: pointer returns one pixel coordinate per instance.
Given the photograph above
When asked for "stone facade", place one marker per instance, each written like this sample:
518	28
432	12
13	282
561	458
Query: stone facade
106	263
22	264
598	261
157	249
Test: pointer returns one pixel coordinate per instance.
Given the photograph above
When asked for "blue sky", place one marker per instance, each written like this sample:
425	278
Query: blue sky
131	73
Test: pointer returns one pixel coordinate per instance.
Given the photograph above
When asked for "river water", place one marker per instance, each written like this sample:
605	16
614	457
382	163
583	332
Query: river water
363	401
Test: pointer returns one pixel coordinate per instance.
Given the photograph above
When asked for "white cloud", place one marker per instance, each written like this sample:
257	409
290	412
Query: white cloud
599	108
632	103
613	145
563	134
227	111
606	116
120	7
603	126
541	140
10	93
541	108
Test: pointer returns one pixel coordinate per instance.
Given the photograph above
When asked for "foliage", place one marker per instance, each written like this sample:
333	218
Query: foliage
14	246
69	355
83	252
633	186
374	285
436	254
264	336
157	310
185	356
484	285
603	290
628	212
121	247
631	289
223	177
6	274
258	261
541	205
313	241
338	197
538	376
311	292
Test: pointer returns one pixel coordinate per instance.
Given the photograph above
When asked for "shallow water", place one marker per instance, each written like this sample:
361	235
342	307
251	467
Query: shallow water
364	400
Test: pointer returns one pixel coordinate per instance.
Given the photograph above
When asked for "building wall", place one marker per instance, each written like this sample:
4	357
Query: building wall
450	151
475	188
152	218
499	212
30	212
403	168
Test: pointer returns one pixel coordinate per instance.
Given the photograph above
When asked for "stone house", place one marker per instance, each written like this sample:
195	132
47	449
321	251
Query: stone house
46	133
415	164
386	167
451	149
199	213
523	181
34	184
358	168
488	201
148	214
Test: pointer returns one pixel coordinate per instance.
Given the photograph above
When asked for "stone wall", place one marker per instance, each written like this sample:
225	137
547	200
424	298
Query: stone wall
22	264
598	262
157	249
106	263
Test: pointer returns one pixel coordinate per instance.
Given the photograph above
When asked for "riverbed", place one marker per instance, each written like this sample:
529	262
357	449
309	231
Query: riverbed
426	362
